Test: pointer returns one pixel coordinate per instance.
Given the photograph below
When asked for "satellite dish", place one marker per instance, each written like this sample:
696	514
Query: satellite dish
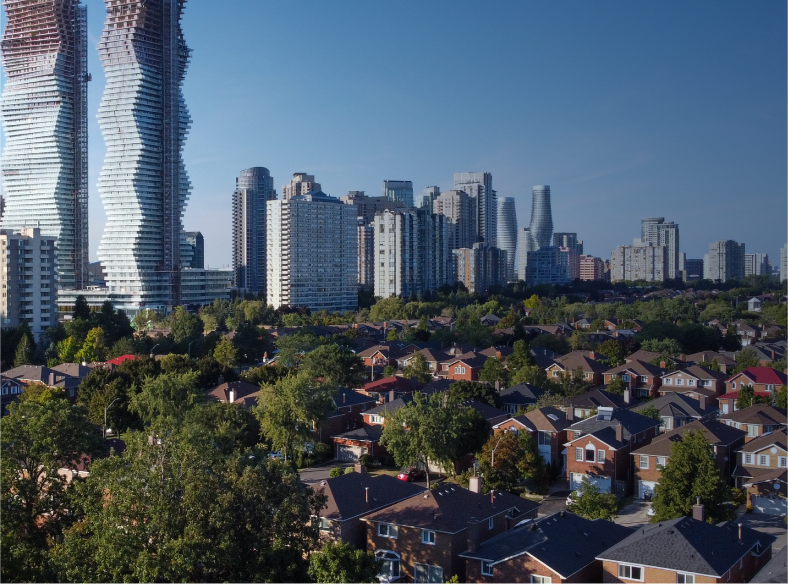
776	486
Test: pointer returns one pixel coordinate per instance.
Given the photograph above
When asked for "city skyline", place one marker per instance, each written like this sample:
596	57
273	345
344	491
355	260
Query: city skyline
606	162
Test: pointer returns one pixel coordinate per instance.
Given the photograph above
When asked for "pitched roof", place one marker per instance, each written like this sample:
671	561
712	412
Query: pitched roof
764	375
353	494
473	360
709	356
391	383
642	355
580	360
759	414
599	398
121	359
73	369
677	404
362	434
348	397
687	545
521	420
770	475
548	419
41	374
449	507
639	367
486	411
698	372
776	571
522	393
778	438
603	426
245	393
564	542
717	433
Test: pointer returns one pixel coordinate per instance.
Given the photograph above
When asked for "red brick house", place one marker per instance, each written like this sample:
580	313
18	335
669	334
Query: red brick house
694	381
763	379
353	444
756	420
728	401
583	360
547	426
380	356
762	469
649	460
561	547
643	379
346	414
466	366
382	389
581	406
433	357
599	449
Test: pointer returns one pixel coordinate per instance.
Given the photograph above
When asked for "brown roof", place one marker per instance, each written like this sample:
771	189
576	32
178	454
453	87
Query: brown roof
245	393
709	356
580	360
759	414
640	367
548	419
778	438
642	356
717	433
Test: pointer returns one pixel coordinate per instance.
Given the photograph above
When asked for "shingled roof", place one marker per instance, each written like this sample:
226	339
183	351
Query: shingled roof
759	415
679	405
603	426
354	494
717	433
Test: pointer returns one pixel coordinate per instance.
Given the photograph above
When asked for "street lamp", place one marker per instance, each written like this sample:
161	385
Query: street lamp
492	458
190	346
105	417
151	351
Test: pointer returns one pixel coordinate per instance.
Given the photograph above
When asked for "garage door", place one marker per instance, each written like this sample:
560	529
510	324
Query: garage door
602	483
769	506
350	453
646	488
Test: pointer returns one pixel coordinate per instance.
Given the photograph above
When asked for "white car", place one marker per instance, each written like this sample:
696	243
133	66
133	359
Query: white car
575	494
651	511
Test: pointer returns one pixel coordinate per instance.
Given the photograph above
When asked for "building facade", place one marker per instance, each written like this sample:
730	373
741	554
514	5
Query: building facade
507	234
461	215
197	244
254	187
367	207
784	263
312	253
300	184
480	267
572	263
638	262
44	113
539	233
478	185
548	265
725	261
565	239
366	254
428	196
591	268
757	264
405	259
400	191
28	267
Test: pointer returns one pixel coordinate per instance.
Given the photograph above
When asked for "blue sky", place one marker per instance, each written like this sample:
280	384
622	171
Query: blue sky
627	109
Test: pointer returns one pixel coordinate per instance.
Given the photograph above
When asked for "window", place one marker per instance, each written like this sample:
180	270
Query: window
600	456
679	382
325	524
374	419
644	462
427	573
491	523
590	453
690	382
725	408
389	567
763	460
748	459
662	461
541	579
555	372
460	370
387	530
683	578
625	377
579	454
544	438
668	381
644	379
487	568
783	462
427	537
752	430
630	572
733	385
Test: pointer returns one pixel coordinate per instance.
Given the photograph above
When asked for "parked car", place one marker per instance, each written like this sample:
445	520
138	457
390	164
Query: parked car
277	455
576	494
651	511
412	474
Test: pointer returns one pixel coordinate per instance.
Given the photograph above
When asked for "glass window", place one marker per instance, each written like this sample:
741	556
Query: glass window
733	385
763	460
487	568
325	524
752	430
578	454
644	462
784	462
683	578
748	459
541	579
668	381
387	530
491	523
630	572
427	537
600	456
662	461
427	573
389	567
590	453
679	382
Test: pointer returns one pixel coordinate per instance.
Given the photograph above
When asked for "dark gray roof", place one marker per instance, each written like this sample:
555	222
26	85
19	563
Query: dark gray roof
363	434
600	397
523	393
717	433
679	405
391	406
565	543
348	397
775	571
605	429
348	496
486	411
688	545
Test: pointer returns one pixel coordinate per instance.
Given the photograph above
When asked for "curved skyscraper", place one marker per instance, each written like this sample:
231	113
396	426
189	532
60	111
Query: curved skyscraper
44	163
541	217
507	233
254	187
143	182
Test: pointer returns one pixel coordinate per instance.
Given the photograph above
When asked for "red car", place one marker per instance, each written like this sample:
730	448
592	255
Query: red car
412	474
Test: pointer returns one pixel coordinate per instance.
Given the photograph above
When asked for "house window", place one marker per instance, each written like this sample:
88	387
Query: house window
783	462
752	430
325	524
375	419
644	462
491	523
668	381
427	573
630	572
555	372
541	579
690	382
427	537
667	423
683	578
725	408
387	530
389	567
643	379
600	456
5	391
460	370
733	385
763	460
579	454
487	568
625	377
679	382
748	459
662	461
590	453
544	438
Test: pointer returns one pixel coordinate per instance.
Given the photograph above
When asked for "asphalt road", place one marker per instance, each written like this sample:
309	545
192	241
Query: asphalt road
554	503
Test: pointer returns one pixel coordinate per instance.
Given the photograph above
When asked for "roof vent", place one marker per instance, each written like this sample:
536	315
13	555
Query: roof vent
425	495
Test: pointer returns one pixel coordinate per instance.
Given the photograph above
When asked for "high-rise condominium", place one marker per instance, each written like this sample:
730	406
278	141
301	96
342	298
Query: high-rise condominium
478	185
757	264
569	240
784	263
656	231
405	245
507	233
460	212
725	261
143	183
300	184
642	261
367	207
197	243
592	268
44	103
480	267
254	187
539	234
428	196
400	191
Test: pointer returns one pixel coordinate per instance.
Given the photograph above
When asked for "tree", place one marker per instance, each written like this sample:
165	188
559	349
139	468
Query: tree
225	354
39	437
520	357
417	367
174	363
532	302
67	350
24	352
671	347
590	503
338	562
746	358
265	374
493	370
616	385
746	398
389	371
613	352
392	335
689	474
167	398
81	309
781	397
463	390
572	383
93	348
185	328
650	411
508	458
335	365
597	325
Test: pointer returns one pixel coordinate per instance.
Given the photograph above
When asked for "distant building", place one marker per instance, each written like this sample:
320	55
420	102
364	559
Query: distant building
507	233
591	268
28	266
428	196
642	261
197	243
690	269
480	267
784	263
367	207
539	233
568	240
406	261
725	261
656	231
300	184
312	251
400	191
460	212
757	264
478	186
547	266
254	187
572	262
366	254
95	274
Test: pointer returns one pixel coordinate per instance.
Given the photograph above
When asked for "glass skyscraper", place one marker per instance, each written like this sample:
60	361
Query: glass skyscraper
478	185
254	187
44	163
400	191
507	233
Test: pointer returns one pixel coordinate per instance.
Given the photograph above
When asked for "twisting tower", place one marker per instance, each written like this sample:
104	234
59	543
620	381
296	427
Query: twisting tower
44	164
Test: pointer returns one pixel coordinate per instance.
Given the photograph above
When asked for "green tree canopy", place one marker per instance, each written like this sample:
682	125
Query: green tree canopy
520	357
338	562
417	367
516	457
336	365
746	358
616	385
590	503
93	348
167	398
225	354
612	351
462	390
186	327
494	370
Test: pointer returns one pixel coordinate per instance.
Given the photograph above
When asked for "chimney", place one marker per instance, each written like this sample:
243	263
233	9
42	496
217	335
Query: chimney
627	397
473	535
366	494
392	395
84	363
662	365
699	511
740	530
702	400
344	397
498	353
475	484
51	379
591	355
619	432
570	413
360	468
498	385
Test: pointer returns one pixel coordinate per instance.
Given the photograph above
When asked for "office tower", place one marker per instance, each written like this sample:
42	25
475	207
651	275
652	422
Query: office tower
400	191
254	187
478	185
143	182
28	270
366	254
428	196
367	207
572	262
507	233
656	231
693	269
197	244
300	184
568	240
725	261
44	113
443	260
757	264
460	212
405	255
312	251
648	228
641	261
480	267
591	268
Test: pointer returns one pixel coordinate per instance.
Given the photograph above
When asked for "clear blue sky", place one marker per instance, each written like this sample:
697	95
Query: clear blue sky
627	109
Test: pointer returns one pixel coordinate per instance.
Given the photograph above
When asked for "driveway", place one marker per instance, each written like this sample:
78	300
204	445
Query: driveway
315	474
771	524
553	503
634	515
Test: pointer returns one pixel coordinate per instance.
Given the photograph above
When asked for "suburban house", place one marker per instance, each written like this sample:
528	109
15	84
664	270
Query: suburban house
353	444
547	426
641	355
762	468
519	396
748	333
728	402
581	406
380	356
490	320
599	448
491	414
421	538
642	378
676	409
466	366
584	361
433	357
649	460
687	550
353	495
768	353
27	374
561	547
10	390
763	379
381	389
724	362
694	381
236	392
345	414
756	420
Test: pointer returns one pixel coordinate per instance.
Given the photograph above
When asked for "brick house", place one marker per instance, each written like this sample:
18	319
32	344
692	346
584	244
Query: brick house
599	449
761	468
649	460
583	360
236	392
547	426
763	379
491	414
756	420
694	380
728	401
466	366
421	538
346	413
581	406
561	547
677	409
352	445
38	374
687	549
642	378
434	358
353	495
519	396
725	363
10	390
